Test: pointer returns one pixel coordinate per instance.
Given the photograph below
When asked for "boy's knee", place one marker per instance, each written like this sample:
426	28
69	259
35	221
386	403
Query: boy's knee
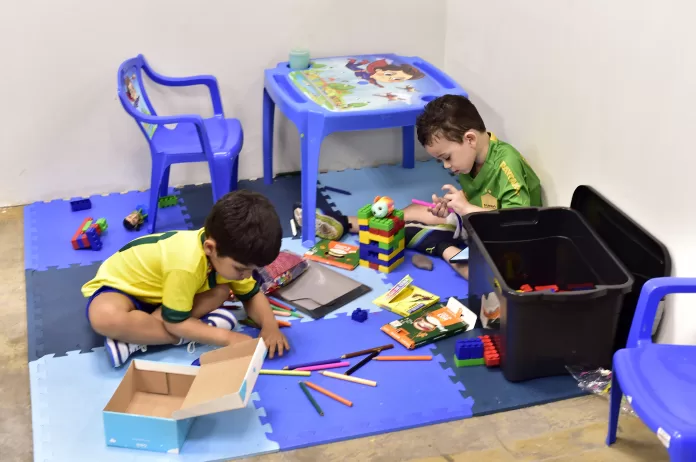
106	317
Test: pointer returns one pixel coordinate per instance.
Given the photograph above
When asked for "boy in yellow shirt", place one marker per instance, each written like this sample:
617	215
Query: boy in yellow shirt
167	288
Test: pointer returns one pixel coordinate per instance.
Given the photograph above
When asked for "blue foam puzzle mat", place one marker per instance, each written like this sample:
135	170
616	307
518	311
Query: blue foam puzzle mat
283	194
401	184
68	394
49	227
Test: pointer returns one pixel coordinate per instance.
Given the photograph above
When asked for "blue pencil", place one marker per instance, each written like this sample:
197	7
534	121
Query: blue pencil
314	363
279	304
340	191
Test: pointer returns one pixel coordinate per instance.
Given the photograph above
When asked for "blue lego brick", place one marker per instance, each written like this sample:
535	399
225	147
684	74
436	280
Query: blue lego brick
364	227
94	240
80	204
374	259
469	349
359	315
374	248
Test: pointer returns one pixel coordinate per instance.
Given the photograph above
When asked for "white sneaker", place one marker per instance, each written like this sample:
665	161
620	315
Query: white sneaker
119	352
220	317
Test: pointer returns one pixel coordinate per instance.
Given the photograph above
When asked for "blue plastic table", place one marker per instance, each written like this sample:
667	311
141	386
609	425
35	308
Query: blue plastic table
346	94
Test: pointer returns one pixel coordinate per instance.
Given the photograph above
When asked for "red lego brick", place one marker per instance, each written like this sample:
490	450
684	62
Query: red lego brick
491	355
526	288
552	288
76	236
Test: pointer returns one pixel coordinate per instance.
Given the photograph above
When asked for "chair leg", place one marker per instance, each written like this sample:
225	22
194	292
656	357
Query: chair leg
268	121
156	176
614	408
221	177
408	145
164	184
235	174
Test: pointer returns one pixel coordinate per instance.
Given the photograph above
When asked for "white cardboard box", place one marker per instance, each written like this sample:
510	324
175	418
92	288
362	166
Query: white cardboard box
155	404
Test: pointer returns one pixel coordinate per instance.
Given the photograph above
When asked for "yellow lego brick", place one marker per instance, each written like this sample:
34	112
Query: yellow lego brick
365	263
364	237
383	257
363	222
389	269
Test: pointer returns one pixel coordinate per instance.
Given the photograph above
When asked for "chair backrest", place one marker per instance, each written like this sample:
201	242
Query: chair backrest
133	96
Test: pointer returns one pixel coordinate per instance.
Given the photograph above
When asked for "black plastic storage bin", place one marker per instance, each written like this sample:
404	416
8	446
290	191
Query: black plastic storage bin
542	332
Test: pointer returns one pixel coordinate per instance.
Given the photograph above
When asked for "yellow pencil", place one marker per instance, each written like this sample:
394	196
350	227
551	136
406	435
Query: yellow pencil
282	313
282	372
349	378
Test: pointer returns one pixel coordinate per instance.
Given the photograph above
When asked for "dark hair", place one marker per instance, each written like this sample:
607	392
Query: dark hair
449	117
245	227
414	72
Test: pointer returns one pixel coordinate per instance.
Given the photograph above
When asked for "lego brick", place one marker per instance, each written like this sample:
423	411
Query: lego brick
369	253
365	238
378	261
80	204
103	226
387	223
363	222
469	349
87	225
491	355
167	201
392	232
364	228
374	247
95	242
359	315
468	362
381	268
365	212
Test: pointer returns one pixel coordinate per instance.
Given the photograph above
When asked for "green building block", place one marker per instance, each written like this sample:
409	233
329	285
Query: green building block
102	224
365	212
86	226
398	213
398	237
382	224
468	362
167	201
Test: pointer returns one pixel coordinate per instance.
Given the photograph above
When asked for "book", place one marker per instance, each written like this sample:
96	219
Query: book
405	299
335	253
429	325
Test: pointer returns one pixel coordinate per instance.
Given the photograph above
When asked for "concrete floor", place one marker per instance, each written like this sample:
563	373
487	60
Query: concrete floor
571	430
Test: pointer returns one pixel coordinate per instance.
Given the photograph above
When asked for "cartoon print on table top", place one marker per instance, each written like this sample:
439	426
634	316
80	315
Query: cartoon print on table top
131	87
349	83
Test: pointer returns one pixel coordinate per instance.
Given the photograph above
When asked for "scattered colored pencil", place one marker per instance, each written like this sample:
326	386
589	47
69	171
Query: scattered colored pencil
282	313
295	314
282	372
283	323
364	361
368	351
326	392
349	378
249	322
319	367
430	205
280	305
404	358
340	191
311	399
313	363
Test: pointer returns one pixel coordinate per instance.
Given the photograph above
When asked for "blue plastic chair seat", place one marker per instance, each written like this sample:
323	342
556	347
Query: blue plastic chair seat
664	377
225	135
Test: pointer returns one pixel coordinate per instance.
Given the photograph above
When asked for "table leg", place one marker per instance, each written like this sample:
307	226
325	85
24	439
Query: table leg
268	119
311	147
408	134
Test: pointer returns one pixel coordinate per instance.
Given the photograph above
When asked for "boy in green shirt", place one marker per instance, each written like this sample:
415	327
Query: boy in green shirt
492	175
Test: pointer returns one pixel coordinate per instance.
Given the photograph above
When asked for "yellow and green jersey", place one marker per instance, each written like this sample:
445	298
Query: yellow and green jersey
505	180
166	269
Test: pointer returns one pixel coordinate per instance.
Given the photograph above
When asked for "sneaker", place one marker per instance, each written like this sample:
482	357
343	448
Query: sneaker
119	352
220	317
326	226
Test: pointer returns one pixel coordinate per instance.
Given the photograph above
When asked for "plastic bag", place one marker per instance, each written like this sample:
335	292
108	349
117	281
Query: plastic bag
598	382
285	269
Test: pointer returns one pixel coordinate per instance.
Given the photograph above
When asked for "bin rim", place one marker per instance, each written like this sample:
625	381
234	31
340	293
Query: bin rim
534	297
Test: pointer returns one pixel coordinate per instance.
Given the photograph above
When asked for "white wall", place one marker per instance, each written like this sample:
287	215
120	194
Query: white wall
64	133
594	92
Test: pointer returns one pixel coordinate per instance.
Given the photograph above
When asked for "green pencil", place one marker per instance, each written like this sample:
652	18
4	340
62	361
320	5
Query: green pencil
310	398
282	372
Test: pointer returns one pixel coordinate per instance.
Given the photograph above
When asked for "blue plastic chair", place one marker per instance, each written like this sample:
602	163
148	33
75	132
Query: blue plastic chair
658	380
215	140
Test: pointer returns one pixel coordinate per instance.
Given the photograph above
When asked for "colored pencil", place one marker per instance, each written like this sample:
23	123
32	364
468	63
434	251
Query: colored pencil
324	366
368	351
311	399
282	372
349	378
404	358
283	323
249	322
313	363
340	191
280	305
430	205
326	392
364	361
282	313
295	314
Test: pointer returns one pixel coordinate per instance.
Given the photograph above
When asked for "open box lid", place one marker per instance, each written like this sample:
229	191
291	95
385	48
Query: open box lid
225	379
640	252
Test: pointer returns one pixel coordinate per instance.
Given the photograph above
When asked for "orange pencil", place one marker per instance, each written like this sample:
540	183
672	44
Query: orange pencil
283	323
329	394
403	358
281	313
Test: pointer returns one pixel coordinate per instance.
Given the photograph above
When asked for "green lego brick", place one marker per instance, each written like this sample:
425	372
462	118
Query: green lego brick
468	362
394	243
382	224
167	201
365	212
398	213
102	224
86	226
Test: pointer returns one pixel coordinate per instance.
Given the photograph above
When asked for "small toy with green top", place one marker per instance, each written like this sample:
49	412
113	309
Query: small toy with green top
381	235
88	235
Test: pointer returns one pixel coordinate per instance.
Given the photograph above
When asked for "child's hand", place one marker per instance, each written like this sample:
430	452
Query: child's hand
274	340
440	209
456	200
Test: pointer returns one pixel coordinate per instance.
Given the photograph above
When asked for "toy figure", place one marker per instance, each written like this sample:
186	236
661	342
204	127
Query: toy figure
135	219
381	71
382	206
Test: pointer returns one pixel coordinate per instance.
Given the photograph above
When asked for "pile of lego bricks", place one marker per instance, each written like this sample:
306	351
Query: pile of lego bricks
382	240
88	235
478	351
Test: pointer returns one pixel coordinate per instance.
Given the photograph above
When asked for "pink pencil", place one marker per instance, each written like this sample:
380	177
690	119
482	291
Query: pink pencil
324	366
430	205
